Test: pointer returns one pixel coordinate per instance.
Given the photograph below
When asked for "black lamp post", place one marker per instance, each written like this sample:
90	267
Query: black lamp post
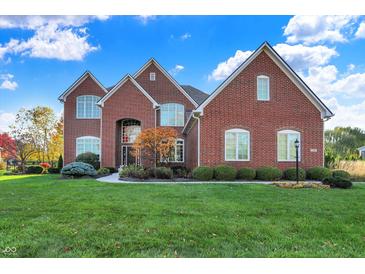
296	143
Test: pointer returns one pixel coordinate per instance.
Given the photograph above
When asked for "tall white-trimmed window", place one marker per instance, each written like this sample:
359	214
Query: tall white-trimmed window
177	153
286	145
172	114
237	145
263	88
86	107
87	144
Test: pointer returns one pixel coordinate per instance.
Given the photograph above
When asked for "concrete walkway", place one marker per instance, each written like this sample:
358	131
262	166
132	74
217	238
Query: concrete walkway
114	178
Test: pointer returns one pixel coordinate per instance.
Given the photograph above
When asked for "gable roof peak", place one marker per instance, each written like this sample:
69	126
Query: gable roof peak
168	76
325	111
79	80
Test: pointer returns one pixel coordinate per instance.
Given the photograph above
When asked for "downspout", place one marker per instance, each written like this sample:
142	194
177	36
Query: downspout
198	119
155	157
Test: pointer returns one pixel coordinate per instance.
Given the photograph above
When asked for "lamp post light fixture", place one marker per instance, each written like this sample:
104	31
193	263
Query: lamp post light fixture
296	143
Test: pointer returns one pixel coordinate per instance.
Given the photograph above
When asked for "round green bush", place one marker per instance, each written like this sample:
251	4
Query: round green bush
341	173
318	173
164	173
225	173
268	173
103	171
291	174
54	170
89	158
111	169
338	182
246	173
203	173
78	169
33	170
130	171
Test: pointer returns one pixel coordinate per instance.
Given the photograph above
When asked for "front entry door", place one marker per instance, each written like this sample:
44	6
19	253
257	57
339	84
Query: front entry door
127	157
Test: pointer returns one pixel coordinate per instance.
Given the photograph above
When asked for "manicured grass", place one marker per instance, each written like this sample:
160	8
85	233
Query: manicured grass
43	216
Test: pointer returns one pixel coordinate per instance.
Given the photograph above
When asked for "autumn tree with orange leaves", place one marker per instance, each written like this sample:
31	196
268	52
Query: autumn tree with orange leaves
155	144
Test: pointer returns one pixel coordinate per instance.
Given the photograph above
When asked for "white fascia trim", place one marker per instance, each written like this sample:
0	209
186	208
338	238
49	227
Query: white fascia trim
81	79
120	83
192	115
152	60
325	113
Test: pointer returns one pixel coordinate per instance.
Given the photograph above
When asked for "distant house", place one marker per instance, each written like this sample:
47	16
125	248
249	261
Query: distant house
362	152
252	119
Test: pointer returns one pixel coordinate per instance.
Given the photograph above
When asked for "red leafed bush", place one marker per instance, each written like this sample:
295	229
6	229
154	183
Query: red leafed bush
45	167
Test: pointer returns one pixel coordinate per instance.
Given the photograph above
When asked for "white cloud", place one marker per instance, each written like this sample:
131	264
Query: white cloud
225	68
6	119
301	57
53	43
35	21
7	83
144	19
325	82
185	36
176	70
315	29
360	33
353	115
55	37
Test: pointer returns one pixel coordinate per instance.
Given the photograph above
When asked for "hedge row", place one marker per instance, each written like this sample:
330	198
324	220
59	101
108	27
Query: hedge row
267	173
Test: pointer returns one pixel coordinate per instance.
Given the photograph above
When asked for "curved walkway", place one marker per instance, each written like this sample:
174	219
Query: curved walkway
114	178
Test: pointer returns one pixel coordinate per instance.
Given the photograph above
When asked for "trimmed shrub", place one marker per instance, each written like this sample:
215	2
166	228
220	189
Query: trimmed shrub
134	171
338	182
60	162
180	171
246	173
203	173
341	173
54	170
33	170
291	174
163	172
225	173
318	173
268	173
103	171
89	158
78	169
111	169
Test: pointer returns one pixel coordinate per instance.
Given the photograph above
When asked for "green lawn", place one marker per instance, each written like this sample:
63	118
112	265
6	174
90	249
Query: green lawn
44	216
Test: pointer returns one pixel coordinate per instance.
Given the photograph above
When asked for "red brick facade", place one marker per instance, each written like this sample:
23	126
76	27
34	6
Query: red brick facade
74	128
236	106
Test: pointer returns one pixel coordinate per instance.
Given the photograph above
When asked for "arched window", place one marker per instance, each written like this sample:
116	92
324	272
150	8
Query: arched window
286	145
87	144
263	88
237	145
86	107
172	114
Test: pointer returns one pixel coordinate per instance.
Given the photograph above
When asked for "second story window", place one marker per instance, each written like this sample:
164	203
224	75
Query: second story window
263	88
172	115
86	107
152	76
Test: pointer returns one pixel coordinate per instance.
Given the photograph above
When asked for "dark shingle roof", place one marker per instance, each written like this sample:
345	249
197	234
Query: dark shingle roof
198	96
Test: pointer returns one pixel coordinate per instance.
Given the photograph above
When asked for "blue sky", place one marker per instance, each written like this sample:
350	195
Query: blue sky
41	56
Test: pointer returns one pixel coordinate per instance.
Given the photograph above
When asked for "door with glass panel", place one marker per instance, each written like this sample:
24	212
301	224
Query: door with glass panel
130	130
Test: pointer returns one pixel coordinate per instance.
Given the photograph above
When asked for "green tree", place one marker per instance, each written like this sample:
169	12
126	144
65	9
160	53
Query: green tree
342	143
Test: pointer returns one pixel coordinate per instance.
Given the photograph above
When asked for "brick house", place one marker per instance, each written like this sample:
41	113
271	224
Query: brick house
251	119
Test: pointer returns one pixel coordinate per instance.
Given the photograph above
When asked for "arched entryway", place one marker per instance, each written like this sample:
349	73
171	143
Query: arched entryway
128	130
